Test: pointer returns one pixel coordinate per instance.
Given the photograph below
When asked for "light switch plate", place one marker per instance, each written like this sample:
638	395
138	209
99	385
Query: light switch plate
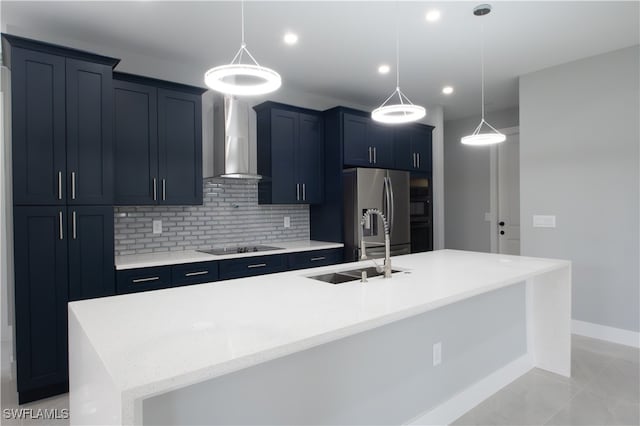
437	353
487	217
544	221
287	222
157	227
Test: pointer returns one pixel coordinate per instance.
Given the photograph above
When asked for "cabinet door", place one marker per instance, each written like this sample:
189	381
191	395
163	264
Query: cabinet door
179	148
357	146
251	266
309	158
38	127
421	145
41	295
381	139
89	133
90	245
135	144
286	188
403	154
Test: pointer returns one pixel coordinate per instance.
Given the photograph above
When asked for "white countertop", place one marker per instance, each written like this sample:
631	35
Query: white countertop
189	256
166	339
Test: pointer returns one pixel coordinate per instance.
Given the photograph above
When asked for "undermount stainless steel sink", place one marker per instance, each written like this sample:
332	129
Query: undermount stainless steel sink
341	277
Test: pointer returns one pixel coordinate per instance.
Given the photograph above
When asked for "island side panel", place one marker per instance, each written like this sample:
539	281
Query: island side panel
381	376
549	320
93	397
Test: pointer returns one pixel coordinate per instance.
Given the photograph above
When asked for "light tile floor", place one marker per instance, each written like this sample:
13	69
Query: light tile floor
604	390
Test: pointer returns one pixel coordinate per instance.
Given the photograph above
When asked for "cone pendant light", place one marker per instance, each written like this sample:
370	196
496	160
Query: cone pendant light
484	133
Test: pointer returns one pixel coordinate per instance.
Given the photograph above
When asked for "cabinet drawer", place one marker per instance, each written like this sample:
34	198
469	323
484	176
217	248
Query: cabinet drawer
310	259
194	273
250	266
142	279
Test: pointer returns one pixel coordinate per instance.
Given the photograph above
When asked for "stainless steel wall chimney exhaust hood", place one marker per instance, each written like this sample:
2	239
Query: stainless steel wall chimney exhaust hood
236	138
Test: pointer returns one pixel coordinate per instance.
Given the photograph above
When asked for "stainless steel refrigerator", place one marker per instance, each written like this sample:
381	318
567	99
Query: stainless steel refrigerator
385	190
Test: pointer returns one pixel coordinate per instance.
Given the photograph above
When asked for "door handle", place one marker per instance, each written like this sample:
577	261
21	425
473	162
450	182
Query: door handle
501	232
501	223
164	189
59	185
414	160
73	185
60	229
297	191
155	189
304	192
391	206
315	259
73	224
374	155
418	156
370	156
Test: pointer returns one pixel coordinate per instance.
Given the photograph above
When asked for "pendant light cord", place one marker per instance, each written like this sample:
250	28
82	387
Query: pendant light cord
397	52
482	64
242	15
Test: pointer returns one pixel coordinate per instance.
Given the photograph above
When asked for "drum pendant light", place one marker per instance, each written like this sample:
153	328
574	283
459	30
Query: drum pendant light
404	111
243	79
484	133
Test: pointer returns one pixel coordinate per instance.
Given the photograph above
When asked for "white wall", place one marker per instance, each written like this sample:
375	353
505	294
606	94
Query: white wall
579	147
467	183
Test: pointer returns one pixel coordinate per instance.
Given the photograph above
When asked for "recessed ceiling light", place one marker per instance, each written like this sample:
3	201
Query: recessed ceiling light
433	15
384	69
290	38
447	90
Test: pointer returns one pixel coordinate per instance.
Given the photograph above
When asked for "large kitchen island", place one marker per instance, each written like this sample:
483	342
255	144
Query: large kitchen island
449	329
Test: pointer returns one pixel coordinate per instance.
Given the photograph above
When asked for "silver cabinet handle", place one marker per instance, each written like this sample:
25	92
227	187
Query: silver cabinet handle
193	274
304	192
298	191
60	229
418	155
155	189
315	259
73	224
144	280
414	160
257	265
374	155
370	156
59	185
164	189
73	185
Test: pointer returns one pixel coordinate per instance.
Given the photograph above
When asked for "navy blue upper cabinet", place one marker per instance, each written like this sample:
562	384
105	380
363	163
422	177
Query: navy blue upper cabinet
61	124
89	133
412	148
135	143
290	154
366	143
158	142
179	147
38	127
90	241
41	296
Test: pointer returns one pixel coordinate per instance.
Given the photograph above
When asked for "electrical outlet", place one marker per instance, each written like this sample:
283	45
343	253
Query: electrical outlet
157	227
287	222
544	221
437	353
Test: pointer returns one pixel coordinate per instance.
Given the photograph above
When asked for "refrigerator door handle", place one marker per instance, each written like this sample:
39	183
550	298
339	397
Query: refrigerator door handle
391	206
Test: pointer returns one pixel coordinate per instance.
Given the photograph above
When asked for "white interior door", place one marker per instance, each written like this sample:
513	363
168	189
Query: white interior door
509	195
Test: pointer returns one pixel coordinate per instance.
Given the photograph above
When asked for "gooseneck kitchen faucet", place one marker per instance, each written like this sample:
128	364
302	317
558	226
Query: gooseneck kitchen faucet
366	217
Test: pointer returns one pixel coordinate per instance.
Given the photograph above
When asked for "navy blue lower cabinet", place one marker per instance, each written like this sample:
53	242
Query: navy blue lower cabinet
194	273
90	244
41	295
143	279
314	258
250	266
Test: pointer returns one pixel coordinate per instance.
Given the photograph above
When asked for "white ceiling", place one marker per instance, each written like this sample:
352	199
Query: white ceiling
341	44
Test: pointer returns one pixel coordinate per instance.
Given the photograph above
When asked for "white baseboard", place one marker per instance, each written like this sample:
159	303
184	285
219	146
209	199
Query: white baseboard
604	332
450	410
